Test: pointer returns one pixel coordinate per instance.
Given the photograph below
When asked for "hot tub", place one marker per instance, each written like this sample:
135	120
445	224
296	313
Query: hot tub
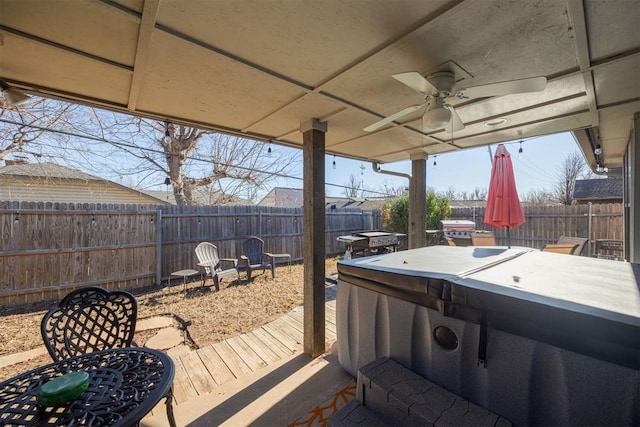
539	338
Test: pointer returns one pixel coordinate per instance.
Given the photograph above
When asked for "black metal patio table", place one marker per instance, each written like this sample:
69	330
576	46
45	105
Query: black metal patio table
125	384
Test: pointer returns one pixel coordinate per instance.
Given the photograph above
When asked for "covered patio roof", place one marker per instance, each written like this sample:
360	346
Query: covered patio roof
261	68
313	74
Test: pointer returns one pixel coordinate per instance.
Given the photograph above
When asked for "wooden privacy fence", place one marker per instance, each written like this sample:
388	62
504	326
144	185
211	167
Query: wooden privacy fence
48	249
545	224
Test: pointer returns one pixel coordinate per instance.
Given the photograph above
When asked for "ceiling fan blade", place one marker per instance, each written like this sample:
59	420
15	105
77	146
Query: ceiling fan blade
456	122
377	125
415	81
534	84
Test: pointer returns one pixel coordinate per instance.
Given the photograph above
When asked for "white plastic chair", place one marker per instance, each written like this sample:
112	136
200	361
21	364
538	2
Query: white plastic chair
207	254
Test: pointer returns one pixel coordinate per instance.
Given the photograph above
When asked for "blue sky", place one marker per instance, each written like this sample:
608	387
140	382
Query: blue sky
466	169
463	170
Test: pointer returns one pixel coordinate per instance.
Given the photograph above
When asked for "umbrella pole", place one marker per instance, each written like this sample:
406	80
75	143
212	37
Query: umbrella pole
508	238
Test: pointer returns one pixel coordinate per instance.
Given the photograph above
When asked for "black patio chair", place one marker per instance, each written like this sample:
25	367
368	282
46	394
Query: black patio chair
93	319
255	258
87	320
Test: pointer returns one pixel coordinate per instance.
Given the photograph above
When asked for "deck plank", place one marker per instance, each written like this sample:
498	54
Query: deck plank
286	325
200	377
297	313
286	329
275	331
183	390
203	370
273	343
246	353
261	348
294	322
215	365
232	359
330	335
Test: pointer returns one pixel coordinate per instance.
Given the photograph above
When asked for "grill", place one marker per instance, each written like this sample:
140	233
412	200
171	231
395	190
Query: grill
366	243
458	230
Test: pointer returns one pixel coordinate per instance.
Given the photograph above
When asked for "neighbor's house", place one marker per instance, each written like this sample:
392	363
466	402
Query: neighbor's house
293	198
22	181
203	197
599	190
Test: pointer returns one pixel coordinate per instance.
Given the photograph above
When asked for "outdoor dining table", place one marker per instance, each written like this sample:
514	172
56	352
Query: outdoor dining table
124	385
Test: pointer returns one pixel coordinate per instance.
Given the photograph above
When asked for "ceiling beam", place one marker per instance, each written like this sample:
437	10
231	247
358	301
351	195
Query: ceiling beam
441	13
66	48
147	25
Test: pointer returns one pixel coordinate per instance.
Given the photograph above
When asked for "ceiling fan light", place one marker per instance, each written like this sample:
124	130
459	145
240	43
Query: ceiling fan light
436	118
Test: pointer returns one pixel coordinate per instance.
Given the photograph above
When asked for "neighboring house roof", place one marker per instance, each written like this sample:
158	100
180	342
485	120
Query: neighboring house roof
293	198
283	198
204	198
468	203
50	182
367	203
45	170
598	189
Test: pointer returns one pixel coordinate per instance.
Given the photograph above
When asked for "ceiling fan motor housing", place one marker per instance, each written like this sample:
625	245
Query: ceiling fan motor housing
443	81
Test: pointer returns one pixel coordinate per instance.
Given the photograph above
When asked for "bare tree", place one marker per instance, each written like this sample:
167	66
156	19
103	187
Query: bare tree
572	168
540	197
451	193
478	194
389	190
202	166
23	127
353	187
122	147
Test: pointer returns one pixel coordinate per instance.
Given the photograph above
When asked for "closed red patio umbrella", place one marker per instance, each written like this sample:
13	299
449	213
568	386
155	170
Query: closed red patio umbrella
503	205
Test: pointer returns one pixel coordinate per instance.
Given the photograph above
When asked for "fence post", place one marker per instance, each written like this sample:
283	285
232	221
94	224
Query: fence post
158	247
259	223
590	215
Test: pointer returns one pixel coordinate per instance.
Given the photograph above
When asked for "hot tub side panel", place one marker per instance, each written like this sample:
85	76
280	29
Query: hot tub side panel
527	381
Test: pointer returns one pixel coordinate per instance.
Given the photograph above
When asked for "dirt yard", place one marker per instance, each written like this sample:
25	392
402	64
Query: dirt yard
212	316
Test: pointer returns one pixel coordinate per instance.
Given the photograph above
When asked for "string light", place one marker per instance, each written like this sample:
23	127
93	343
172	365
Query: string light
269	149
520	151
167	135
435	164
158	151
334	162
598	150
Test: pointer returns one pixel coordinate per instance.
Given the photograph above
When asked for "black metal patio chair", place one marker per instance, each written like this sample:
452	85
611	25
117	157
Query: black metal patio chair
92	319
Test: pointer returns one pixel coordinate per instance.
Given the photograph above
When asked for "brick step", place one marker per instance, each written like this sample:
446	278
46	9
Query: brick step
354	414
399	396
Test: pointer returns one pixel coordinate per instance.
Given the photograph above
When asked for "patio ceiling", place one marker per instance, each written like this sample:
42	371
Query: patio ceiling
260	68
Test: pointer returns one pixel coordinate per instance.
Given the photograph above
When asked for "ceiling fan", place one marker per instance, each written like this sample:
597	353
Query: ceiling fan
440	86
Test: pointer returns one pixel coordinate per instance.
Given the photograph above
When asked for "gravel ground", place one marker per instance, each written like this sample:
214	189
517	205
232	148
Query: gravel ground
239	307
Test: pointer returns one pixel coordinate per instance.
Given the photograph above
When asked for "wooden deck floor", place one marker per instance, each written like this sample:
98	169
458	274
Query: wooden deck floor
200	371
